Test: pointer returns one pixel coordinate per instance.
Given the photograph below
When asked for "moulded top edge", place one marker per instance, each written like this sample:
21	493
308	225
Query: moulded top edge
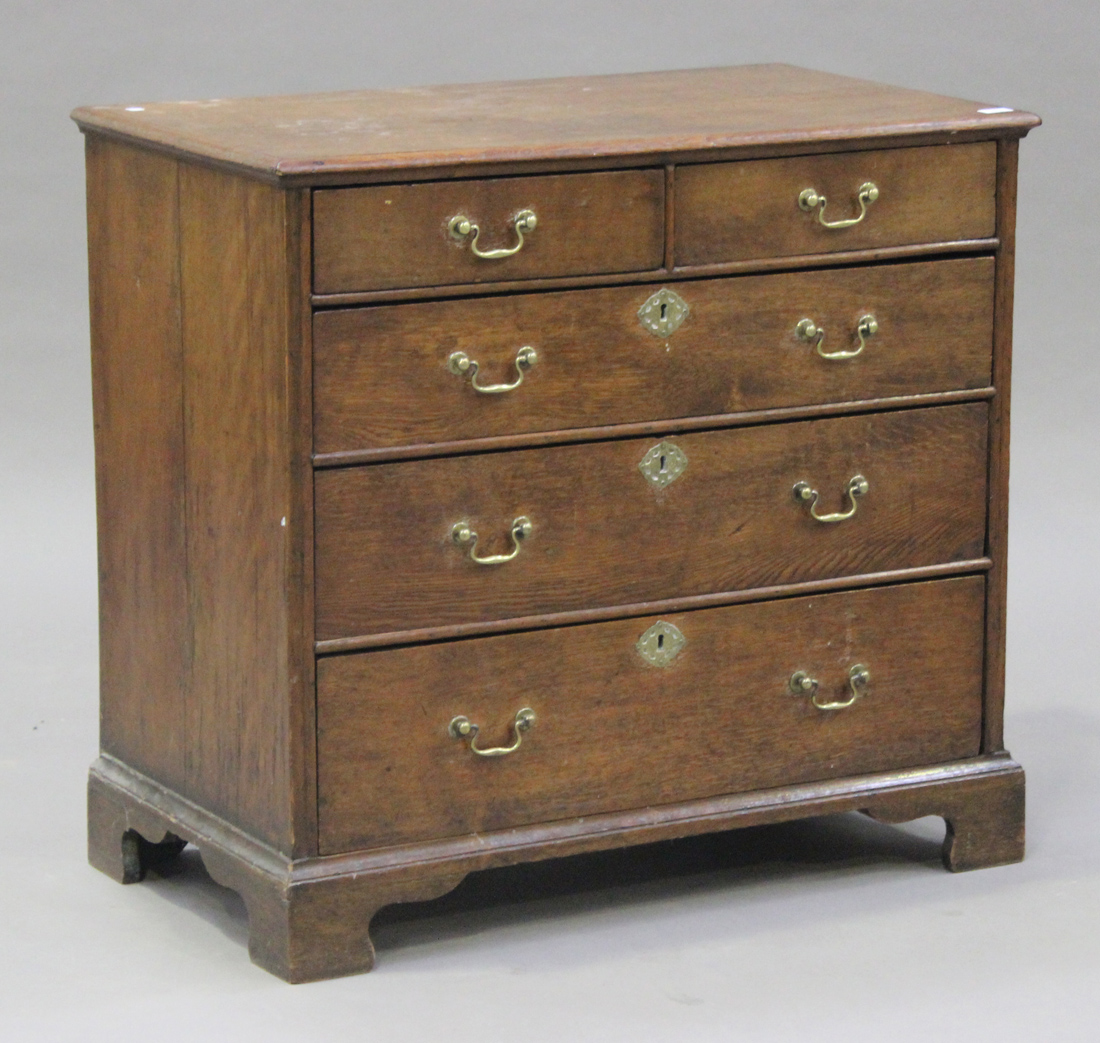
296	137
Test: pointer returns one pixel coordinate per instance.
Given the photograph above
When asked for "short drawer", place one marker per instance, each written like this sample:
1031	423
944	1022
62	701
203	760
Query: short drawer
390	236
392	554
614	732
751	209
386	375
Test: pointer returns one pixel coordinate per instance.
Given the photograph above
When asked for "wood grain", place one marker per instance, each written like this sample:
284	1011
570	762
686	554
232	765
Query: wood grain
736	211
984	828
651	427
144	633
301	690
236	330
203	469
910	252
397	235
301	936
999	415
321	136
648	608
603	535
736	351
614	732
240	537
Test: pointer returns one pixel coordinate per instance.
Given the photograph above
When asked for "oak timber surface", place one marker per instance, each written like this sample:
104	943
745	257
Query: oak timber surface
397	235
736	350
576	117
613	732
999	412
749	209
190	272
144	639
603	535
202	277
234	260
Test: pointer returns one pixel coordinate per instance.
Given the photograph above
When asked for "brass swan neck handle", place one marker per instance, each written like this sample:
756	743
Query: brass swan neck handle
459	363
466	537
857	486
813	202
801	683
463	728
461	227
866	328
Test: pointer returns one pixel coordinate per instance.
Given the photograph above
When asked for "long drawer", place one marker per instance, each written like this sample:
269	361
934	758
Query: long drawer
612	731
917	328
388	236
761	208
394	549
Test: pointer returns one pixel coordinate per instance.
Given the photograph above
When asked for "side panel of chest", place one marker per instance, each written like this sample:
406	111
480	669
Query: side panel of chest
202	483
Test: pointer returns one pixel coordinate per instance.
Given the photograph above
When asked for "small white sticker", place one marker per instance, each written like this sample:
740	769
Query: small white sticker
283	523
135	108
995	111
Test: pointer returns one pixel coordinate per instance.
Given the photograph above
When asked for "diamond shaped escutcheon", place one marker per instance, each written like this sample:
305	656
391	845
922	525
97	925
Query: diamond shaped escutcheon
663	464
661	643
663	313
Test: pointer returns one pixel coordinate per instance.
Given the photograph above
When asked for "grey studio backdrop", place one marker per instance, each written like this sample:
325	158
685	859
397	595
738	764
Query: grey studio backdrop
826	931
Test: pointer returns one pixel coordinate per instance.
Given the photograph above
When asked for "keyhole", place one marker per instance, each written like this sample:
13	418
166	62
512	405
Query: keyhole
660	640
663	459
664	312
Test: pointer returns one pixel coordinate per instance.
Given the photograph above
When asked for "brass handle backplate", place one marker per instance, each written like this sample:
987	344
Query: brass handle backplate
809	331
461	227
857	486
464	536
463	728
459	363
801	683
812	202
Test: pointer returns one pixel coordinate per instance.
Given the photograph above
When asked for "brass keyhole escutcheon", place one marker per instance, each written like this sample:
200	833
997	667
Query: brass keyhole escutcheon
663	464
661	643
663	313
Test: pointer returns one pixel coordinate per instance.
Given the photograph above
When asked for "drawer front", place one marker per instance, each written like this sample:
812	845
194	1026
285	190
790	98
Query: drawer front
391	236
750	209
737	348
602	534
613	732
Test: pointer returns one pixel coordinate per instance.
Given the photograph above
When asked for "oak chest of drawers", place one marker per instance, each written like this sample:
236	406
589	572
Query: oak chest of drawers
494	473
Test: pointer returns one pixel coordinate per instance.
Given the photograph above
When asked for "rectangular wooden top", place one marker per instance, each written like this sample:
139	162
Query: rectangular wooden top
312	137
